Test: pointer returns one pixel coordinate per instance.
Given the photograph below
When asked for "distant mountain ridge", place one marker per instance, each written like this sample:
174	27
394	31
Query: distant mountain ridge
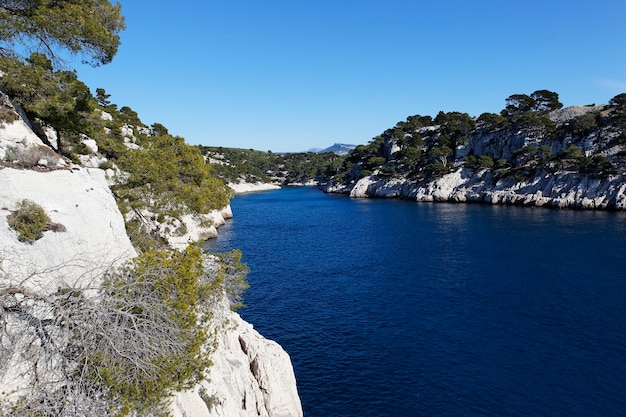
338	148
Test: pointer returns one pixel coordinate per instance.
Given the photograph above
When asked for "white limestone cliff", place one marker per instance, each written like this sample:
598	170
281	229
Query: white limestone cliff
242	187
250	376
90	238
197	227
560	190
543	187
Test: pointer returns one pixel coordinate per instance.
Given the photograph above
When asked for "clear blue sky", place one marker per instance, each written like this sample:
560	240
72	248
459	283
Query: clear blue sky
286	75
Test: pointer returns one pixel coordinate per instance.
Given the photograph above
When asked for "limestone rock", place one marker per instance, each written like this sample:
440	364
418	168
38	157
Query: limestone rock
560	190
247	187
82	202
549	181
251	376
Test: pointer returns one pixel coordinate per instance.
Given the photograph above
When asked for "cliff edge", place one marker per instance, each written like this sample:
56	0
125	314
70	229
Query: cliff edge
250	375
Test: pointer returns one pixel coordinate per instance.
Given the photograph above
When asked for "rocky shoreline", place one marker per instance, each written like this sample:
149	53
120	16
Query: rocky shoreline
248	187
570	157
559	190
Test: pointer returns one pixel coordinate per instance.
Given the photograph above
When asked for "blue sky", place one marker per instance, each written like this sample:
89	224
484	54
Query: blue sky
286	75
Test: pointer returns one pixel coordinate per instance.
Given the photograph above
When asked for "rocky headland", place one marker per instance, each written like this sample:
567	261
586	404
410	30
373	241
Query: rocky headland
249	375
571	157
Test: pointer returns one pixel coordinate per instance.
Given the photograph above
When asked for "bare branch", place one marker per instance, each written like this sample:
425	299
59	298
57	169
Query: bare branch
104	343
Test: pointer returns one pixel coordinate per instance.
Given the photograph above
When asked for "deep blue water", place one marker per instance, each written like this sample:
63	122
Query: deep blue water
395	308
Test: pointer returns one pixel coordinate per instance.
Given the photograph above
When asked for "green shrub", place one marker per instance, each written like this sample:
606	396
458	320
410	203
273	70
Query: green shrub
365	173
492	120
81	149
57	98
436	170
29	220
501	164
104	165
388	170
583	124
152	336
480	162
375	162
572	152
598	164
172	175
74	158
233	274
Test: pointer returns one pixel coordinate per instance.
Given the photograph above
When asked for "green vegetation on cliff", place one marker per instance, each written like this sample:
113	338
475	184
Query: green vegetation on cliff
164	178
234	165
167	299
124	346
533	134
29	220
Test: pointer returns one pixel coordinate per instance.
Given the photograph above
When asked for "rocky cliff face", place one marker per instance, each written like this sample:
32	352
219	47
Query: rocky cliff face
561	190
250	374
566	167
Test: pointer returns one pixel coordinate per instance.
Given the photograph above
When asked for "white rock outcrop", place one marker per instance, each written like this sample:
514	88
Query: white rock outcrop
90	238
16	136
93	236
195	231
538	182
249	187
559	190
251	376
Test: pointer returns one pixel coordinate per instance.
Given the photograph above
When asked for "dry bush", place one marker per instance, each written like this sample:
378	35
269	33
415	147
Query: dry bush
30	157
7	115
119	345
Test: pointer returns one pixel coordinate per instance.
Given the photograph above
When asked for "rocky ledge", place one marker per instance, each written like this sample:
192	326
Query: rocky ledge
251	376
559	190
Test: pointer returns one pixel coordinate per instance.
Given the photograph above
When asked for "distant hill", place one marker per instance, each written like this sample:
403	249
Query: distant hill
237	166
338	148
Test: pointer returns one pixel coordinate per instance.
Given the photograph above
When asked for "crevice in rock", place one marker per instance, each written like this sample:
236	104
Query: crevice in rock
243	345
254	368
